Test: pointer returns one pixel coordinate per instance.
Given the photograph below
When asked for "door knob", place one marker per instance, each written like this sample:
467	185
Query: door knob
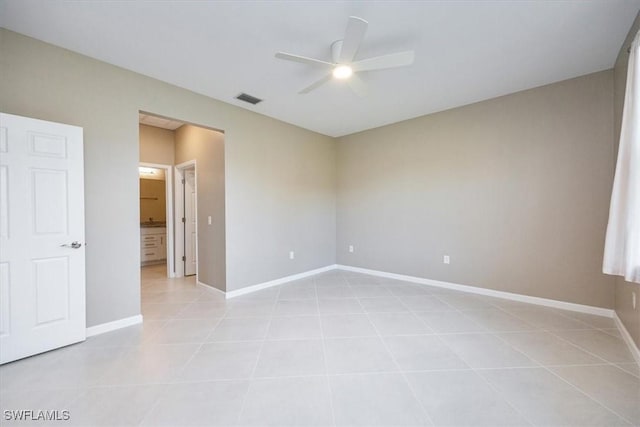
72	245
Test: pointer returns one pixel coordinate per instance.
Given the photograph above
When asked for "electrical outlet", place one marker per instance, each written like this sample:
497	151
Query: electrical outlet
446	259
292	255
633	299
351	248
209	220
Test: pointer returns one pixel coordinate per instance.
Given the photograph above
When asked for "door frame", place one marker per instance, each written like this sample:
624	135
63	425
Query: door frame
168	188
179	210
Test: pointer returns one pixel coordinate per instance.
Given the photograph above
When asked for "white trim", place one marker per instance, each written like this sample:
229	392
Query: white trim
271	283
168	179
112	326
635	351
179	213
205	286
598	311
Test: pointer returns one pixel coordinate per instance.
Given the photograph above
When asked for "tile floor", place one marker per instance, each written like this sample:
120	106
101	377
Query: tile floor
336	349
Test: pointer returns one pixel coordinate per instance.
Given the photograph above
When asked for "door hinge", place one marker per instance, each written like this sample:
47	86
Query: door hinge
183	219
183	180
184	258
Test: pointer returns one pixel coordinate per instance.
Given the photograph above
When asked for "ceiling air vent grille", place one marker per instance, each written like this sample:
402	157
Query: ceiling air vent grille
248	98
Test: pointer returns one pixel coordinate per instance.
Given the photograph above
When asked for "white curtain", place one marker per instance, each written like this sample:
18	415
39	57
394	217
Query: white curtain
622	247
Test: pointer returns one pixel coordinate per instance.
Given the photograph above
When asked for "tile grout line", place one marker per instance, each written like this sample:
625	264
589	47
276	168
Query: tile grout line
324	351
255	366
181	370
583	392
513	407
395	362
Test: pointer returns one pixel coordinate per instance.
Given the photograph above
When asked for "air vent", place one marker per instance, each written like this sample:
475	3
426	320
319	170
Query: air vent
248	98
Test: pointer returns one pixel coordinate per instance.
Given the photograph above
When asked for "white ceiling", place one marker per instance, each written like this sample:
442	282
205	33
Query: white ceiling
159	122
466	51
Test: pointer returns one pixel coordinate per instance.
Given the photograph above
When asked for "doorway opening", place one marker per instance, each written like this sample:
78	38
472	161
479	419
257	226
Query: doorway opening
191	159
186	207
156	216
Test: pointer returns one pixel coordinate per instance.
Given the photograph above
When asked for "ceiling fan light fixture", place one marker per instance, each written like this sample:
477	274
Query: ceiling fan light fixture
342	72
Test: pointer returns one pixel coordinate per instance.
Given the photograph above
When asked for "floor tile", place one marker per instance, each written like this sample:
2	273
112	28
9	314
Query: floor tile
547	318
162	311
548	349
343	291
362	354
347	325
463	301
486	351
339	306
547	400
113	406
240	329
224	360
375	399
603	345
462	398
423	352
425	303
496	320
363	280
590	319
149	364
291	358
383	305
294	327
301	401
129	336
296	292
250	308
179	331
408	290
632	368
446	322
199	404
203	310
370	291
398	324
305	307
612	387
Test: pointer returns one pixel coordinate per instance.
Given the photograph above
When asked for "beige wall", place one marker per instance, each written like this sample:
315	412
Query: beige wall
624	289
153	200
206	147
514	189
46	82
157	145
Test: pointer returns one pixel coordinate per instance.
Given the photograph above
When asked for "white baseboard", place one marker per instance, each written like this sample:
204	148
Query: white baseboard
598	311
635	351
112	326
276	282
209	287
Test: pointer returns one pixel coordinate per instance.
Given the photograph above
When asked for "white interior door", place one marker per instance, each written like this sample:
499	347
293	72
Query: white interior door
190	223
42	276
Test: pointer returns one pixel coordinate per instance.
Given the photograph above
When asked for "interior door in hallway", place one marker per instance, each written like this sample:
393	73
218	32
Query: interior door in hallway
42	255
190	223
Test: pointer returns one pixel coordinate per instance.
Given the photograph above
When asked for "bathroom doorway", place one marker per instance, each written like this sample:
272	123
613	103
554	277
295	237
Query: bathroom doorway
156	216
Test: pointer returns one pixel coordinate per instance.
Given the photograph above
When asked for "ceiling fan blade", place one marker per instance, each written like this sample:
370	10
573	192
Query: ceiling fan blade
392	60
316	84
357	85
303	59
352	39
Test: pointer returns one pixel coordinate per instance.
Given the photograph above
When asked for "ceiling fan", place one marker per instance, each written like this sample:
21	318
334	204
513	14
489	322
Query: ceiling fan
343	66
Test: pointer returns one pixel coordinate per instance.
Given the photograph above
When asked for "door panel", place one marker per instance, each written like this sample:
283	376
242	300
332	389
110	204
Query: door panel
49	195
51	284
42	278
190	224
